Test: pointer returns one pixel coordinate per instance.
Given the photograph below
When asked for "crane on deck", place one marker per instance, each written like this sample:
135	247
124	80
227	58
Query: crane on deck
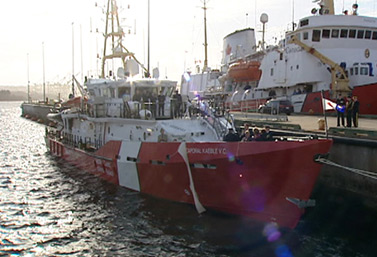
339	78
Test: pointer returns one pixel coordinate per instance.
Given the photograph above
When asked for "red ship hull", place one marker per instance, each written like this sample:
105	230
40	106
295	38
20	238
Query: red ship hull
251	179
367	96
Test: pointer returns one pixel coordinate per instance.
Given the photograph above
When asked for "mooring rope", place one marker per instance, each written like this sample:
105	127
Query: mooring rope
368	174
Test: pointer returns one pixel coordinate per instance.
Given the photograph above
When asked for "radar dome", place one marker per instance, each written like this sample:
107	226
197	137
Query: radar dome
264	18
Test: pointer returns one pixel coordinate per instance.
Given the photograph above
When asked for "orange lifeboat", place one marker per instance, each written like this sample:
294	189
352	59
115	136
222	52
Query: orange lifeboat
245	71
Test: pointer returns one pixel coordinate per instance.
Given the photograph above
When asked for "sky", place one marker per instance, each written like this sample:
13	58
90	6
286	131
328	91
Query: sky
48	40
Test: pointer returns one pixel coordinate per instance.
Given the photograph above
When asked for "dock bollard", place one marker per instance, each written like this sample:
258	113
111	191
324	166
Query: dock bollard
321	124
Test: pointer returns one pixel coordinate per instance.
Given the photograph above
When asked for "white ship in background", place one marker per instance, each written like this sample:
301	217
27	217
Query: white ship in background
336	54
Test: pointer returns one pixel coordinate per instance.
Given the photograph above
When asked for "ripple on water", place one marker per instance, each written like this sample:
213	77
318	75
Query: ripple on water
48	208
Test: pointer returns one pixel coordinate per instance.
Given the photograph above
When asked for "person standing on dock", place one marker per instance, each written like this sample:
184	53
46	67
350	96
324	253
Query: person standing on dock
340	109
355	111
349	110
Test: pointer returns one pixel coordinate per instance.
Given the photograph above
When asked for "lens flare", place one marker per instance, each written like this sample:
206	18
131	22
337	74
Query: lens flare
271	232
283	251
254	198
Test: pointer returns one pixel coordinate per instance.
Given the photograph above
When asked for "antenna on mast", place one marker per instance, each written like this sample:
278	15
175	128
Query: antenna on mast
73	61
264	20
44	83
293	15
149	41
28	80
116	34
205	36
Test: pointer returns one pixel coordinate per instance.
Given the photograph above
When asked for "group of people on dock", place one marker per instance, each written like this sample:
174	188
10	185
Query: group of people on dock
348	107
249	134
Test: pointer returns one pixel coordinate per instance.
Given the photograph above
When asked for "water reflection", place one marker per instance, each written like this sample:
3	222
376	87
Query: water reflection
48	208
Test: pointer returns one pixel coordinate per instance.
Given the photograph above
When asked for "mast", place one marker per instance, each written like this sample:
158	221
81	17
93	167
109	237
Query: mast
106	36
205	37
327	6
73	62
330	6
28	80
116	34
82	63
149	41
44	83
293	15
263	20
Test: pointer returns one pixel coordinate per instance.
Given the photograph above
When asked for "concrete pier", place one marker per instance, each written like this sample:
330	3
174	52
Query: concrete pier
355	148
367	128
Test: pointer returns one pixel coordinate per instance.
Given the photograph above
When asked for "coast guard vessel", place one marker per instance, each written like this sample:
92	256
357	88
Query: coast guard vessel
334	53
141	144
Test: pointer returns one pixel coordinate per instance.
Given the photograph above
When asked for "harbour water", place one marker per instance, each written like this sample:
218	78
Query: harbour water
48	208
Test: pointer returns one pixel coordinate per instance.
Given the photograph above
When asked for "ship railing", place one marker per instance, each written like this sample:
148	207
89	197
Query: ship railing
220	120
249	106
75	141
132	110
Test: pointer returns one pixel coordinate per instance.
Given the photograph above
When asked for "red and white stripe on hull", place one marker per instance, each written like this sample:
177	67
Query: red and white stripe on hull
127	169
253	179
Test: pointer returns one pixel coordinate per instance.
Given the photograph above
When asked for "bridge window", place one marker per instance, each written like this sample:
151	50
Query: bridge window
352	33
360	34
374	35
316	35
335	33
326	33
112	92
368	34
124	91
363	71
351	71
105	92
304	22
356	71
306	35
344	33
